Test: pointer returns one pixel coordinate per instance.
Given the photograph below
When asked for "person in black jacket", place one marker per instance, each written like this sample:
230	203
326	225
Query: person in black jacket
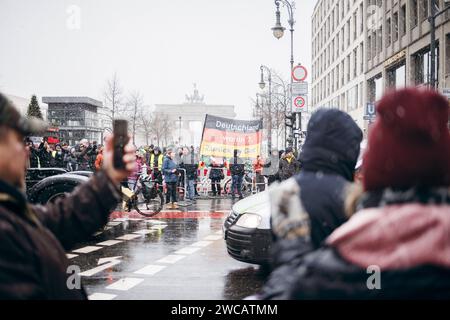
216	175
237	168
310	206
34	238
189	162
396	245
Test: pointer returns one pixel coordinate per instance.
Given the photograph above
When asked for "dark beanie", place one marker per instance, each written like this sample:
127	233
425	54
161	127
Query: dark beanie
409	144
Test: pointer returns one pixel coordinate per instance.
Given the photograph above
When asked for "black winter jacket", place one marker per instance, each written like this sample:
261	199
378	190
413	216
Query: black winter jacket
323	184
34	239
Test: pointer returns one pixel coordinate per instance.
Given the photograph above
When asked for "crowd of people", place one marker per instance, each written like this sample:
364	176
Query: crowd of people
387	237
173	167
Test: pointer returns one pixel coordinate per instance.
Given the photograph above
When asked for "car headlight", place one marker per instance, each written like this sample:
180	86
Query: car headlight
249	220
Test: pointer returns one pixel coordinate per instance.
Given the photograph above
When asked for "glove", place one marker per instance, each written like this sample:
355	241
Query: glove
289	218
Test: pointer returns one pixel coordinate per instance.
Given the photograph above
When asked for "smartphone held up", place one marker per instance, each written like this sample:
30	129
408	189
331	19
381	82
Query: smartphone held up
120	140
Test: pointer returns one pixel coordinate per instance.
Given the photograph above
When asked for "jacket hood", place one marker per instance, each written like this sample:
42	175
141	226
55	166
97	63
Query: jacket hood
397	236
332	143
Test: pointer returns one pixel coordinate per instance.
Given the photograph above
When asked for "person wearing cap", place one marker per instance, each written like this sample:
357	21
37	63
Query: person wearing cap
396	245
289	165
34	239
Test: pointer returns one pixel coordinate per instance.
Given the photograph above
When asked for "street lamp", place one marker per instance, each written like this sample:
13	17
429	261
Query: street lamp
278	32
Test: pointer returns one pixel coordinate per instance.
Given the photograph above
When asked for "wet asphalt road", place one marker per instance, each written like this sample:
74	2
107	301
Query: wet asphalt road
178	254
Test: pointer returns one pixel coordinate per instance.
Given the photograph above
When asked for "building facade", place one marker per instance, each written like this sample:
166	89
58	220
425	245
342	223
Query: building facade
362	48
76	117
338	50
187	119
398	46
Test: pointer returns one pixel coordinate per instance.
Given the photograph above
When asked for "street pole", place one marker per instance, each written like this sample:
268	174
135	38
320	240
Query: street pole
179	132
291	22
269	113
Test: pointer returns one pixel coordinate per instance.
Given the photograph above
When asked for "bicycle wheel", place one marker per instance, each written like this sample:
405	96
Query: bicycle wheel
151	207
227	187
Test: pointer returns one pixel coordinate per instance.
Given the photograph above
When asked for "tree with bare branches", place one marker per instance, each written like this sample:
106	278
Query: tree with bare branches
134	103
113	97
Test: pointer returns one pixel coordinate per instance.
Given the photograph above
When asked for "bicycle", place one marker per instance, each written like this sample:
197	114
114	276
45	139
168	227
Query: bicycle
146	195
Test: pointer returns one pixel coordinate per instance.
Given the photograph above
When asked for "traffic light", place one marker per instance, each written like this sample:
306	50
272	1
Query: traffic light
289	120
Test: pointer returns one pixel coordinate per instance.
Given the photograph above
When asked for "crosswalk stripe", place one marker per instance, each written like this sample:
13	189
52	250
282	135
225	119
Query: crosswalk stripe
125	284
109	243
150	269
129	237
87	249
101	296
171	258
187	250
201	244
213	237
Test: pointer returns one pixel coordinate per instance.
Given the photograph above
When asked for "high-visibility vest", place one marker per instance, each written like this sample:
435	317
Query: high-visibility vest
160	161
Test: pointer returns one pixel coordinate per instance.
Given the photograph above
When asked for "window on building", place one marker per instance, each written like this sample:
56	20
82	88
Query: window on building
423	10
348	68
388	32
361	15
380	40
414	13
395	26
355	62
396	76
348	33
447	57
355	24
402	23
422	66
361	58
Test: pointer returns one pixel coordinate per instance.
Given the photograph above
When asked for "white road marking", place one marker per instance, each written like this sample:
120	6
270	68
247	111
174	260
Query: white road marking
160	227
219	232
171	258
150	270
125	284
144	231
213	237
109	243
91	272
187	250
120	219
87	249
155	222
201	244
114	223
70	256
101	296
135	219
129	237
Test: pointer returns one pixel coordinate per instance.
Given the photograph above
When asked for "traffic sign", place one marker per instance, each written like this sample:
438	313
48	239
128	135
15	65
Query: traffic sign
299	88
370	110
299	73
299	104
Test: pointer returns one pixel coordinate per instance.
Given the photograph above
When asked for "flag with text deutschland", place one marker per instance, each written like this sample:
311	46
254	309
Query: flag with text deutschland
221	136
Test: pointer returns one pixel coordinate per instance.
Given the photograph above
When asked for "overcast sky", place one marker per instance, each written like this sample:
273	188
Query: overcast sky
157	47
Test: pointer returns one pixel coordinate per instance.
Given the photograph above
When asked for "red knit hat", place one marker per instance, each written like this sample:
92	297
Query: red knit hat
409	144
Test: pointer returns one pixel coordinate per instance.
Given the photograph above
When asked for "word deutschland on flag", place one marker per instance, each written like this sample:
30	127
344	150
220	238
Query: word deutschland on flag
221	136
